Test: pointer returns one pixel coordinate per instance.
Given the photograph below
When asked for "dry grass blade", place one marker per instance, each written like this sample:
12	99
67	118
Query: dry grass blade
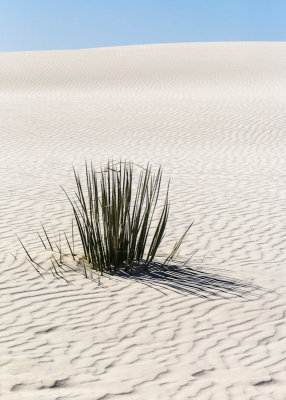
47	237
26	251
177	245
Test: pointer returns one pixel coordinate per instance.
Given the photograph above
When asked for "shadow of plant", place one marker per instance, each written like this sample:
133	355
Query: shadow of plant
187	280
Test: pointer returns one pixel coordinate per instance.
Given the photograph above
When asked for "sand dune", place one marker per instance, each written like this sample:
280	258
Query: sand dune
213	115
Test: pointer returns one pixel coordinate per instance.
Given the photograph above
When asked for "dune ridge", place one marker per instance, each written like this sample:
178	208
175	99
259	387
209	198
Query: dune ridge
213	115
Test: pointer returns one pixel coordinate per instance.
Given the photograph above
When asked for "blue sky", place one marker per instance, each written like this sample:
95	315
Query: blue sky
73	24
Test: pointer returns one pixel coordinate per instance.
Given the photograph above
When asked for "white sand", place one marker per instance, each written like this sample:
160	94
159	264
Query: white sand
213	114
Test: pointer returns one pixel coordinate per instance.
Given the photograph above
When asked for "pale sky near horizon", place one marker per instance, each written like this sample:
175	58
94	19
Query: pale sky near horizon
72	24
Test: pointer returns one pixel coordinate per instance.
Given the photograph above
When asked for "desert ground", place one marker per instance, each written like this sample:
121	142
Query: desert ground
213	116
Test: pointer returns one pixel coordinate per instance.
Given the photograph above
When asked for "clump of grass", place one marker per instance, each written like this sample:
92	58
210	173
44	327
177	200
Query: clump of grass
119	227
114	221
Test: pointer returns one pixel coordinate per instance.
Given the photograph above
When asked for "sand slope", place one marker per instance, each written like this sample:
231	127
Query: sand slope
213	114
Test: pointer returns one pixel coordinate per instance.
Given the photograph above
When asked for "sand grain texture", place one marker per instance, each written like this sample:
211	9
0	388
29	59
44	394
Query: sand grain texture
213	115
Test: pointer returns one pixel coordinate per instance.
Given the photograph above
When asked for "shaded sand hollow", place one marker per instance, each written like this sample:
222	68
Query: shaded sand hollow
213	115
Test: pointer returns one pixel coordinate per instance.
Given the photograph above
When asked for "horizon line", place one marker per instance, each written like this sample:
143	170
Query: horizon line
144	44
